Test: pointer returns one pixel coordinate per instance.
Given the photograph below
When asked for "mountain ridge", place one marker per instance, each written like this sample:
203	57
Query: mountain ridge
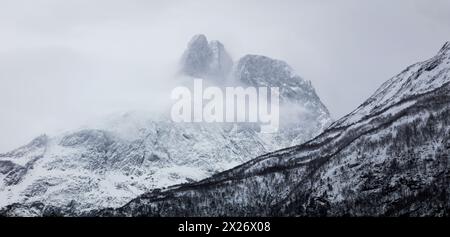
257	187
107	164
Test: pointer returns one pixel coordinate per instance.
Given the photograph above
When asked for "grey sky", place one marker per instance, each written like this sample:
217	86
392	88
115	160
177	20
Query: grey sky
63	62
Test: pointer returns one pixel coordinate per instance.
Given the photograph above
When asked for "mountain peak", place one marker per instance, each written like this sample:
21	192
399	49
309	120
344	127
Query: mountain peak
205	59
258	70
198	40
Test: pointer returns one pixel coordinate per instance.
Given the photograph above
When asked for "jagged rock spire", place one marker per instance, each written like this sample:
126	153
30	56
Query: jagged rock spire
205	59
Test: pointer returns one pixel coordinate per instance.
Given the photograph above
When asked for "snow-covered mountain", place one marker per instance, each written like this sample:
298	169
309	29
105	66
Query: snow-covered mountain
389	157
126	155
93	168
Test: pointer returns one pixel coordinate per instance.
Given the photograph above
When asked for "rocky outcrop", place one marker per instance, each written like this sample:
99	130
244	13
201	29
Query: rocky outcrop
203	59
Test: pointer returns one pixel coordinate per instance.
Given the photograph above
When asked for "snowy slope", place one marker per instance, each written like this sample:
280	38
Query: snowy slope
388	158
91	168
416	79
108	163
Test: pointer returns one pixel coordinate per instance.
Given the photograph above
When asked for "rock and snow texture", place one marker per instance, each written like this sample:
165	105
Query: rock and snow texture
93	168
418	78
390	157
108	164
302	113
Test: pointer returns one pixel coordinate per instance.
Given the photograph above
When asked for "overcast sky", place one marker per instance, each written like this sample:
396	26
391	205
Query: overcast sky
63	62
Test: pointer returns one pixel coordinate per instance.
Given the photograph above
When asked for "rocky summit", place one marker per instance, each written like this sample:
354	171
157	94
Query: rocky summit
131	153
203	59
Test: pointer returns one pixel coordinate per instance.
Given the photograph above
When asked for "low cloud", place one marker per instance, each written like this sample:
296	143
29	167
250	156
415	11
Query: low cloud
64	62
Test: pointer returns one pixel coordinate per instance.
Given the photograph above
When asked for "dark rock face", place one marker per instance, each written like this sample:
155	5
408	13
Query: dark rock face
14	172
256	70
6	166
203	59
